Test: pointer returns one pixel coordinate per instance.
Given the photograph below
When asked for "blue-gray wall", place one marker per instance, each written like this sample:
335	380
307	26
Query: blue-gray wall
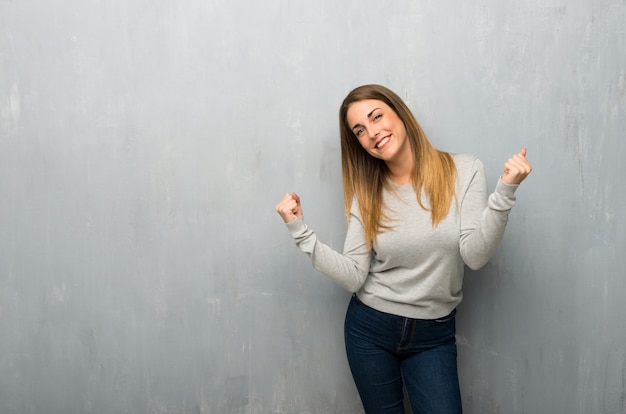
144	144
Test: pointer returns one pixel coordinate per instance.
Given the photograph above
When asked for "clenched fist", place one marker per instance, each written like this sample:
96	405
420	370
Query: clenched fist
289	207
516	169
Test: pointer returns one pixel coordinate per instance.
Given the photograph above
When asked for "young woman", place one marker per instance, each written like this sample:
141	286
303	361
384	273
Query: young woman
415	216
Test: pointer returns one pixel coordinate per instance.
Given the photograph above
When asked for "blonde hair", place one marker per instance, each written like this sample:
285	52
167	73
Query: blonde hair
365	177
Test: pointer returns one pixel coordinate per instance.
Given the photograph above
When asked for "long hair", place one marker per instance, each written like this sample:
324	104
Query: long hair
365	177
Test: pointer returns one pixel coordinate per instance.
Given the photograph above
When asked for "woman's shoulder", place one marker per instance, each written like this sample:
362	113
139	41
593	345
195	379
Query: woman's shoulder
466	162
468	169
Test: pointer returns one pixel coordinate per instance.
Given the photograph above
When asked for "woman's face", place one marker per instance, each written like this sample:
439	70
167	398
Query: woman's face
379	129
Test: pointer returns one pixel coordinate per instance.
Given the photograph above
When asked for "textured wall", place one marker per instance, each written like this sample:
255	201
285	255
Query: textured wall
143	145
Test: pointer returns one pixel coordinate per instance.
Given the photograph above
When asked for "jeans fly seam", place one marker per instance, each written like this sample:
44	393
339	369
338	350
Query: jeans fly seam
404	343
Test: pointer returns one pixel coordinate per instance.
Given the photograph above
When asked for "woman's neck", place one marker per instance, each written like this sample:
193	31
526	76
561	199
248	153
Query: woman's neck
403	179
401	169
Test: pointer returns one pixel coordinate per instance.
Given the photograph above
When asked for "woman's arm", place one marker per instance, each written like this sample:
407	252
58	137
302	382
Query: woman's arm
484	219
349	269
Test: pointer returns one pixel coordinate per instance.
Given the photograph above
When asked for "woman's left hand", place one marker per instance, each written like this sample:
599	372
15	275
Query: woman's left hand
516	169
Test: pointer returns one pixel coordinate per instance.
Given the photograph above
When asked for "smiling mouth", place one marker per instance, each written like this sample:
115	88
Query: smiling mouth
382	142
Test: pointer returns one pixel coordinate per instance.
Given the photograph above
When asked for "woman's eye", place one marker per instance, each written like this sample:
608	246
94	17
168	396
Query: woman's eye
378	116
358	132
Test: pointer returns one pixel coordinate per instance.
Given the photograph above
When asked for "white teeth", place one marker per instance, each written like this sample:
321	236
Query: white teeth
382	142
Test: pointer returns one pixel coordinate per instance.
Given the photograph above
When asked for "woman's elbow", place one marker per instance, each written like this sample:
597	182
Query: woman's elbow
475	264
475	258
353	286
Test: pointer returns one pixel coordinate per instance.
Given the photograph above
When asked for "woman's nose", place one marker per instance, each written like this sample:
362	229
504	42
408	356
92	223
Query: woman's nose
373	132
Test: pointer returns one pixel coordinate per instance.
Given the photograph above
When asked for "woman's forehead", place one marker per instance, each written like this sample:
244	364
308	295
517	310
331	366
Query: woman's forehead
361	110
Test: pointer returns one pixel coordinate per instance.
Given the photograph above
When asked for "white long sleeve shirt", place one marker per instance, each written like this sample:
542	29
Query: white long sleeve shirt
414	269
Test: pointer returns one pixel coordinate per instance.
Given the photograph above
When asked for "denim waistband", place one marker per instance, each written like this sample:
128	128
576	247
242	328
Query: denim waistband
452	314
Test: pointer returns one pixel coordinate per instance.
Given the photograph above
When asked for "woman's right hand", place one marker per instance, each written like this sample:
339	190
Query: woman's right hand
289	207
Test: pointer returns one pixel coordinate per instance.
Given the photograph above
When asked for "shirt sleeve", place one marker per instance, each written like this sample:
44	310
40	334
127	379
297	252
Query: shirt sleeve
349	269
483	219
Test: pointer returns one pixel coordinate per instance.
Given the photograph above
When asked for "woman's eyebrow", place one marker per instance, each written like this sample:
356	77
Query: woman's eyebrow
368	117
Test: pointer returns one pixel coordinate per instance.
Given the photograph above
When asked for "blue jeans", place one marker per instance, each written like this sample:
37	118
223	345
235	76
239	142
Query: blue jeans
388	353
